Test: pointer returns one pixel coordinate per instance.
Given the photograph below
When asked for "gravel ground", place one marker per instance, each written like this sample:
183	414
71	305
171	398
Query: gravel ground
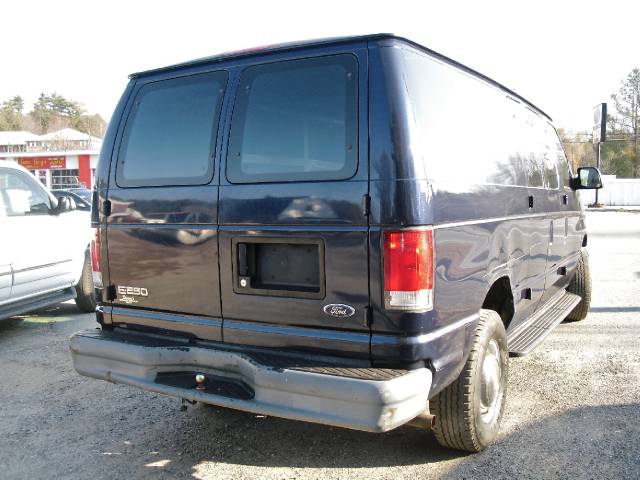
573	408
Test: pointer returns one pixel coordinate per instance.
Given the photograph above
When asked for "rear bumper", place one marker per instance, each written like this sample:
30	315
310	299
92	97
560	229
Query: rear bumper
374	400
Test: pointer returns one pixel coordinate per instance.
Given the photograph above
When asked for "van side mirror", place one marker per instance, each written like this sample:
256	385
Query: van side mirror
588	178
65	204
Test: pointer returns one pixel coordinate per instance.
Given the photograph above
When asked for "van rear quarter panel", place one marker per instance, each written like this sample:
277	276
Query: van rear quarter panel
402	197
107	152
483	231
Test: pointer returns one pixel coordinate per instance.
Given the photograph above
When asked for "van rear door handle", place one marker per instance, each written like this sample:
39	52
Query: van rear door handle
244	266
530	201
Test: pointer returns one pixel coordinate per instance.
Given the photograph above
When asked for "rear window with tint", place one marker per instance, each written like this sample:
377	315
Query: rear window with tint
170	133
295	120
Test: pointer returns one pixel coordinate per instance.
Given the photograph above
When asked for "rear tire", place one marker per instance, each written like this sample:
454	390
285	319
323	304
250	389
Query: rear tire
581	286
468	412
85	292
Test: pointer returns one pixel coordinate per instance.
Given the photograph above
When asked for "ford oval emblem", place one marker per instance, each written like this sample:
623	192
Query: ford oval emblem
339	310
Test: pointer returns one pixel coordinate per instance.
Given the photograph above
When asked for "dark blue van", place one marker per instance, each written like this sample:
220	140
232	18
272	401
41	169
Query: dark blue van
354	231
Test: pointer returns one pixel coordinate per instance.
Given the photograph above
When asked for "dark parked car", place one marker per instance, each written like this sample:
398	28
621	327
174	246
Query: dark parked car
377	228
81	196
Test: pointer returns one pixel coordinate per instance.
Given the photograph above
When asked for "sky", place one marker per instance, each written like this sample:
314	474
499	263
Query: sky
564	56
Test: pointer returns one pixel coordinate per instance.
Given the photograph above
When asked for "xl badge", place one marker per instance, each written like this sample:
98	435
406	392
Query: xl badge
339	310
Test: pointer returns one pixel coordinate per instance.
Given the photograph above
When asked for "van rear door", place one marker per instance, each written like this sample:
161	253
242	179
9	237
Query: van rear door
161	232
293	233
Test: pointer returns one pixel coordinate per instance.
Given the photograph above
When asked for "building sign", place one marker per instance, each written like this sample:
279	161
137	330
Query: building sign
43	163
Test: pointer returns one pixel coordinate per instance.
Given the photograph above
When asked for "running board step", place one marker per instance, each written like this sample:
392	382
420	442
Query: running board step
531	333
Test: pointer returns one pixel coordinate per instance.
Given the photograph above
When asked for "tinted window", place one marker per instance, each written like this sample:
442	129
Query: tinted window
295	120
21	195
170	134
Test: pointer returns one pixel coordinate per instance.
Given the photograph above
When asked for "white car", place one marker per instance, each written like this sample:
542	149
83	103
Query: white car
44	246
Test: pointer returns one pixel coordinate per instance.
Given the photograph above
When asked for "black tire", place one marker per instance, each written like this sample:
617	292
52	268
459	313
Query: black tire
581	286
459	420
85	292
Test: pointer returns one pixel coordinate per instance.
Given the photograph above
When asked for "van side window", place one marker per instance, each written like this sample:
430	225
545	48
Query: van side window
170	133
295	120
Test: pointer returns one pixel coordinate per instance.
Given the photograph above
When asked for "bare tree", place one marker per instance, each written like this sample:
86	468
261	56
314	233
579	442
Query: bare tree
627	118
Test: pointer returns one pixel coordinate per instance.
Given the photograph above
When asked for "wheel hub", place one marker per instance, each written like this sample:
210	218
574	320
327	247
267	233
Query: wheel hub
490	383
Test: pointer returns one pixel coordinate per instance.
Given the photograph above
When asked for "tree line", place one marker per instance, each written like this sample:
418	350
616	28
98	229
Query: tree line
51	112
620	152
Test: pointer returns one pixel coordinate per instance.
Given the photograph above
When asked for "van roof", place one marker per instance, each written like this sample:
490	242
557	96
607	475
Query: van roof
280	47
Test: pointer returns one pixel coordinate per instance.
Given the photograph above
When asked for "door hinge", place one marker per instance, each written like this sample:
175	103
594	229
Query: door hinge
368	317
110	293
106	208
366	204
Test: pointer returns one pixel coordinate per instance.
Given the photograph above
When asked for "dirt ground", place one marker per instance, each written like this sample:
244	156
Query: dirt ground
573	407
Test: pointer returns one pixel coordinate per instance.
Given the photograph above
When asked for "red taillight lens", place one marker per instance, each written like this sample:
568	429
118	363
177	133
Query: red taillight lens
95	251
408	269
95	259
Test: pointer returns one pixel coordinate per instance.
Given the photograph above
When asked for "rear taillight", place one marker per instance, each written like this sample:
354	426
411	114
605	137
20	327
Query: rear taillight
95	258
408	270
